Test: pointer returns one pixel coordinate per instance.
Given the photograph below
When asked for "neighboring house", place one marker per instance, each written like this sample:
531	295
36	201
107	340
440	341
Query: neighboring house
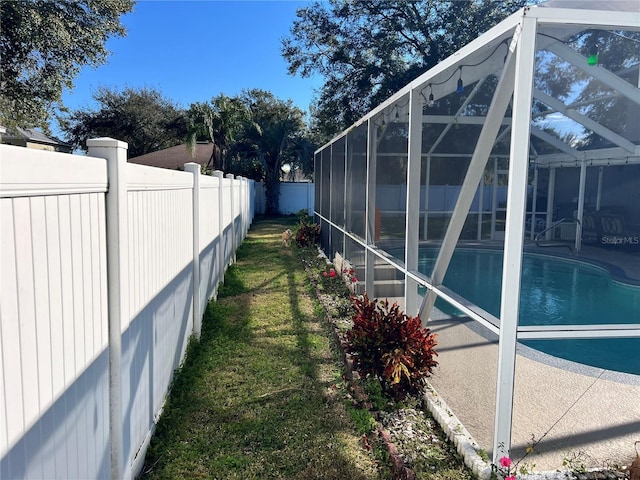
32	138
174	158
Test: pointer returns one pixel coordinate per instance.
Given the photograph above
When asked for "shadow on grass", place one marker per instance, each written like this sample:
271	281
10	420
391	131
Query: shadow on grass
247	403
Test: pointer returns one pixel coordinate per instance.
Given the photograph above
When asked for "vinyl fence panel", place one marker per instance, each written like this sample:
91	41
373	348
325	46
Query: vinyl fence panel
160	287
97	301
53	314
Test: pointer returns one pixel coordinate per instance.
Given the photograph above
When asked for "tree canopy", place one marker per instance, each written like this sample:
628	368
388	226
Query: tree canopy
43	44
253	134
141	117
615	51
369	49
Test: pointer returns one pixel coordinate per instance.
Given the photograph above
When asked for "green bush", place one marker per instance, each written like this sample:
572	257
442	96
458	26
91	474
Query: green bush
362	418
390	345
307	234
303	217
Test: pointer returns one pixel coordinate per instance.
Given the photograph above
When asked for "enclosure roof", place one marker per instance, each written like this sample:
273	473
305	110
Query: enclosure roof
613	5
563	28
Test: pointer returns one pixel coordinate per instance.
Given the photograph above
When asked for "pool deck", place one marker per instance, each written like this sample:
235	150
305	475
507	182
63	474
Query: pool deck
567	411
575	412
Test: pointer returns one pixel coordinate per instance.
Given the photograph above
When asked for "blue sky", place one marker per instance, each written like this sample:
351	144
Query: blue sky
195	50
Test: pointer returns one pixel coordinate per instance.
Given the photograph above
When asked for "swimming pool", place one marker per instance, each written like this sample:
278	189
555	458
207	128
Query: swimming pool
554	291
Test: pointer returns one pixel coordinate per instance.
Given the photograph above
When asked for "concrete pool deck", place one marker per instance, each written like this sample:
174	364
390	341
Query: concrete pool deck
577	414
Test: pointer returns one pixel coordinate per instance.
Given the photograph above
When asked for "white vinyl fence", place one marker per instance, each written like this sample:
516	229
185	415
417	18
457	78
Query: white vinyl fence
106	268
294	196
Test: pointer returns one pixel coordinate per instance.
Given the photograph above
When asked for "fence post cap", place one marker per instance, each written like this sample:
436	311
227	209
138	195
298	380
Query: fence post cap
107	142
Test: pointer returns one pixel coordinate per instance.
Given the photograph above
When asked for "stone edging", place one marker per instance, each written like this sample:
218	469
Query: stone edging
457	433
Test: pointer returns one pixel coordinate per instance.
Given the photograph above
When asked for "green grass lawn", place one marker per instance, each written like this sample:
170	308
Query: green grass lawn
259	397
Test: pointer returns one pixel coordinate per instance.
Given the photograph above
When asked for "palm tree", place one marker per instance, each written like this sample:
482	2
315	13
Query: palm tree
217	122
272	132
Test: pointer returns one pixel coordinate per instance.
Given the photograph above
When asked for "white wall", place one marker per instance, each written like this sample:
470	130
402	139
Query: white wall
58	286
293	198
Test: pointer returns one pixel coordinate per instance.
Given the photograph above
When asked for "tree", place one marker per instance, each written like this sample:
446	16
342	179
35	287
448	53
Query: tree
272	132
369	49
43	44
217	122
143	118
253	135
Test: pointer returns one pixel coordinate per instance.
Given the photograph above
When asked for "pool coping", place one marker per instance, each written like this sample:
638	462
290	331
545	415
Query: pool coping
542	357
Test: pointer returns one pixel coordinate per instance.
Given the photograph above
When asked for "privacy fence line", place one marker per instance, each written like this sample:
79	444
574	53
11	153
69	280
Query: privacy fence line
294	196
106	268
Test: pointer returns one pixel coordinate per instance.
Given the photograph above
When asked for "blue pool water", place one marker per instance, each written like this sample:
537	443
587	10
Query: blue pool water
554	291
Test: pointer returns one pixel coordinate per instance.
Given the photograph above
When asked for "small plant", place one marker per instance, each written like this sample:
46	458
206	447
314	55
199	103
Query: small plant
362	418
303	217
391	346
374	392
307	234
342	307
350	279
526	468
482	453
332	283
575	461
338	284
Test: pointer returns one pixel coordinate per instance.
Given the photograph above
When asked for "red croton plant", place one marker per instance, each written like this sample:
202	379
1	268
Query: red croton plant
391	346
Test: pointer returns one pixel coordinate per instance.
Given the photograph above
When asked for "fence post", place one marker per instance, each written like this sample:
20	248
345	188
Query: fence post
115	152
241	206
234	243
194	168
221	251
249	202
244	203
252	200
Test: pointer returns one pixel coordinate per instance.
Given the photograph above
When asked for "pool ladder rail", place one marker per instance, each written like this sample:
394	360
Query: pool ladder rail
554	225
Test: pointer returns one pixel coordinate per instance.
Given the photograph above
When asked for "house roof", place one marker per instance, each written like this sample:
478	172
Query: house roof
33	135
174	158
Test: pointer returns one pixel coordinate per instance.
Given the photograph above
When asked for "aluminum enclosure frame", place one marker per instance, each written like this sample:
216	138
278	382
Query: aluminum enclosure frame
520	33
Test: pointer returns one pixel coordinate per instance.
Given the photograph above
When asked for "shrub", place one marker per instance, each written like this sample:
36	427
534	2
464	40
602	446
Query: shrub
390	345
307	234
303	216
332	283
